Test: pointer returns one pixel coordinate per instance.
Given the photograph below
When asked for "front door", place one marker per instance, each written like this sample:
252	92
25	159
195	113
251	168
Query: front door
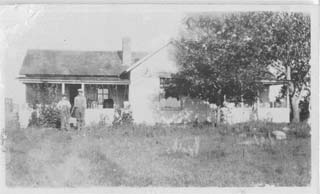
73	91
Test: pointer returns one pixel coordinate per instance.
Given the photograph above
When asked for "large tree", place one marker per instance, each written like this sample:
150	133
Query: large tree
225	55
290	44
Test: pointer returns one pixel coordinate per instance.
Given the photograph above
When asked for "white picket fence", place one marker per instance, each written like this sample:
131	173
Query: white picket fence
244	114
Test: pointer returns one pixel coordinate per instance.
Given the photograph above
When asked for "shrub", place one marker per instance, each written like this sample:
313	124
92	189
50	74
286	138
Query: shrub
122	117
49	116
301	130
127	117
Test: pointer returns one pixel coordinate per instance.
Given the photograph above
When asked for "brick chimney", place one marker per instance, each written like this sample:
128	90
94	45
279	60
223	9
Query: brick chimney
126	51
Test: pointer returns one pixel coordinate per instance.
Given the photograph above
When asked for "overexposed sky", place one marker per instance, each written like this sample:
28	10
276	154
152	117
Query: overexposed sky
77	28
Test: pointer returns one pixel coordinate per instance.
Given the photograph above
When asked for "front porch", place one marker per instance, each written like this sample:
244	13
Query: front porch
102	95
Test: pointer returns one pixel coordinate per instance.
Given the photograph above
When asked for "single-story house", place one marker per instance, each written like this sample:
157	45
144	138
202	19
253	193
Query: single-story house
116	77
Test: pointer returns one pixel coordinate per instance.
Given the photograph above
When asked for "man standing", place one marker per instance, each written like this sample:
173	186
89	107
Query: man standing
64	109
80	104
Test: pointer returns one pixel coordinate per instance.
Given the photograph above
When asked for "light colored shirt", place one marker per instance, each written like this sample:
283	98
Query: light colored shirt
64	107
63	104
80	102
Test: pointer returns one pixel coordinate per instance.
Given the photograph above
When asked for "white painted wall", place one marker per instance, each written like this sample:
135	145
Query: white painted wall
144	91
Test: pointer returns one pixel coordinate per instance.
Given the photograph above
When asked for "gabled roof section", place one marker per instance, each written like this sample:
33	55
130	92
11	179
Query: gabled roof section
85	63
136	64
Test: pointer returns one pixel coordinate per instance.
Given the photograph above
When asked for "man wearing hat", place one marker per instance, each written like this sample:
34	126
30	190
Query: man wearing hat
64	109
80	104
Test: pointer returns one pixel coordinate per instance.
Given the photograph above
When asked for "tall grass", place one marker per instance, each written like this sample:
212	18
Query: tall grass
136	155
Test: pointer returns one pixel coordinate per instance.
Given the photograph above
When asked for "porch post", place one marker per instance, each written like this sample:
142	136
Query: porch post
63	88
82	87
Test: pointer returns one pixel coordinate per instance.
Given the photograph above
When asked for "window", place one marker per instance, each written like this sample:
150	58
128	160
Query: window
169	103
103	98
103	94
164	81
99	96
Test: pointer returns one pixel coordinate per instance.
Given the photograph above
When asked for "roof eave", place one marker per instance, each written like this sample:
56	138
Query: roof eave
73	81
274	82
67	75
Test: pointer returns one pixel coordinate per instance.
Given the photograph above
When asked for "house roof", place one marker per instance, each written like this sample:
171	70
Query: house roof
61	62
142	60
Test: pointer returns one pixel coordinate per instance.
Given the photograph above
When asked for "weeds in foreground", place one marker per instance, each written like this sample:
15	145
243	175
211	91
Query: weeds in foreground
136	155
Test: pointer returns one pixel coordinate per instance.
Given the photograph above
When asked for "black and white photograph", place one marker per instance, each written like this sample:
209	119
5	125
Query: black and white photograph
159	96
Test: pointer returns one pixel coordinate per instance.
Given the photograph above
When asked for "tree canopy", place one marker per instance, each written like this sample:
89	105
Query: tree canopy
227	54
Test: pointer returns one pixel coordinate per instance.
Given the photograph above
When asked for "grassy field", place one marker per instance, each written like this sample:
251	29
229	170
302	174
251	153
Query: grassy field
138	155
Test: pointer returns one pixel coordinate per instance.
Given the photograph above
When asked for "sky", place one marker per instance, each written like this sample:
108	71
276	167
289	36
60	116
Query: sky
99	28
